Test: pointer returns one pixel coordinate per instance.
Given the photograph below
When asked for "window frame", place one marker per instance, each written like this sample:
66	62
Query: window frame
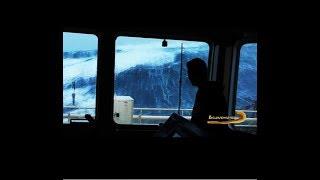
234	76
211	53
87	32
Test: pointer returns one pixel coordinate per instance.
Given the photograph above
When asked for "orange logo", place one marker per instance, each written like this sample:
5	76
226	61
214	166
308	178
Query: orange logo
227	119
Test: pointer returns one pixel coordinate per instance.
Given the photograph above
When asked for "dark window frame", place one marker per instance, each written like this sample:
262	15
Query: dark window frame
233	91
239	46
60	64
147	127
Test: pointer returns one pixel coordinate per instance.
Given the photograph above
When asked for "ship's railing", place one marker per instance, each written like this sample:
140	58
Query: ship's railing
144	118
75	117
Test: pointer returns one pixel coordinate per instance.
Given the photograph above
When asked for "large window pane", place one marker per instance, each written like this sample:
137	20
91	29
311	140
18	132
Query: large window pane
79	75
247	86
147	78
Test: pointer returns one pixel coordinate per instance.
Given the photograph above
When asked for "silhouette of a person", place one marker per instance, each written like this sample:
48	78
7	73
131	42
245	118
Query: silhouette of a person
209	98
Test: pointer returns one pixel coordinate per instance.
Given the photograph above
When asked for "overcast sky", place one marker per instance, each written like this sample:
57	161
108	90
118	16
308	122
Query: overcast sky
79	41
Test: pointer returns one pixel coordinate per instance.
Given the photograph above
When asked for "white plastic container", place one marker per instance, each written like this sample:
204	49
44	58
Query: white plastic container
123	109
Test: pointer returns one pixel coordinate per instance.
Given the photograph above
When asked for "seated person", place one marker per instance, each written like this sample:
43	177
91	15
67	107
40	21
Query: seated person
209	98
209	101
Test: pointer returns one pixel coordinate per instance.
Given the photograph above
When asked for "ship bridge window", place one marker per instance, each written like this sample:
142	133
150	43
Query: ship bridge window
147	74
246	97
79	76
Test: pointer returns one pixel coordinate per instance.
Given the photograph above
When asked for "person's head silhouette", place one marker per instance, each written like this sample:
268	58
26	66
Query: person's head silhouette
197	71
